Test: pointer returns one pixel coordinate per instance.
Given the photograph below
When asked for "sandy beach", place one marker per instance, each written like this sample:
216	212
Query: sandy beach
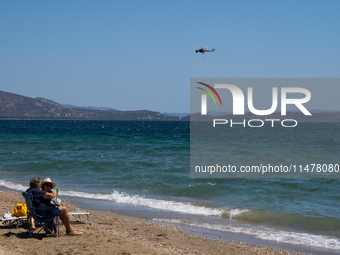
115	234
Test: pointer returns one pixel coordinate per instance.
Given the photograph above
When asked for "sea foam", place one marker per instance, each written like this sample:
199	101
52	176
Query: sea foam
266	233
12	185
124	198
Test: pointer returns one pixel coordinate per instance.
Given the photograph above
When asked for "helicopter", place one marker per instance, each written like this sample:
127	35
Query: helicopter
204	49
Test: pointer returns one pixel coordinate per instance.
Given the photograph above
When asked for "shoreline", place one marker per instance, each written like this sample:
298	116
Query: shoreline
148	214
118	234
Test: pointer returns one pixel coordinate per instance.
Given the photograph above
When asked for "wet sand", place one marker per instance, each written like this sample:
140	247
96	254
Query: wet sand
115	234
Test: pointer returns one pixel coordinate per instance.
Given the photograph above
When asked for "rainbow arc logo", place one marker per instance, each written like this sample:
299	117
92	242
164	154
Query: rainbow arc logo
209	93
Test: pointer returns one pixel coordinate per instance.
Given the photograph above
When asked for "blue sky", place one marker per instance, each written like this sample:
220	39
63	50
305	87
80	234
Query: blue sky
133	55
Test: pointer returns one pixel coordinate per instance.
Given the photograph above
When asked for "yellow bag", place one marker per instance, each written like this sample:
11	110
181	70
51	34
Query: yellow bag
20	210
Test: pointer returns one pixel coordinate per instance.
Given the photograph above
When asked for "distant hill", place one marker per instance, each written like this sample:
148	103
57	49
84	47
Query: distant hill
17	106
94	108
174	114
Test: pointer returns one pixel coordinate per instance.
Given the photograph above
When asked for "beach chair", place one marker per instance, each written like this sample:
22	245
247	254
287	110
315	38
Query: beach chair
12	221
77	215
43	222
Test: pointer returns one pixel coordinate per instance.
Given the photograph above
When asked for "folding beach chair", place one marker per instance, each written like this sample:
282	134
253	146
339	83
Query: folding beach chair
77	215
43	222
12	221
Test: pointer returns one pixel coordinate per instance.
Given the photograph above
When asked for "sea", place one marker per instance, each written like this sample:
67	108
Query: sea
142	168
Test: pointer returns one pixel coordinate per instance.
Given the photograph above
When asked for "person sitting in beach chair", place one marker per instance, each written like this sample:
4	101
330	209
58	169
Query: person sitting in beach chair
43	199
47	185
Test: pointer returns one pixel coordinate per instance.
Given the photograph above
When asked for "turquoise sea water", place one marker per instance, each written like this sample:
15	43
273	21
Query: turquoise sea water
146	163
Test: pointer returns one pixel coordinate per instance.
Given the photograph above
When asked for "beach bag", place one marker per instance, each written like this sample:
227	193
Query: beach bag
52	225
20	210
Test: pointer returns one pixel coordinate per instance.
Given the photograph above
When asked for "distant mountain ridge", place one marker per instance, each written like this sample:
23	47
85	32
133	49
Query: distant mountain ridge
90	107
18	106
